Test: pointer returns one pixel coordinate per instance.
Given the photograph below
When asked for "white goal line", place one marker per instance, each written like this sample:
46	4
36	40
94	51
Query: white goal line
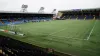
91	31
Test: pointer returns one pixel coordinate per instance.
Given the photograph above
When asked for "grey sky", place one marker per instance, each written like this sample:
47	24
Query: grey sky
34	5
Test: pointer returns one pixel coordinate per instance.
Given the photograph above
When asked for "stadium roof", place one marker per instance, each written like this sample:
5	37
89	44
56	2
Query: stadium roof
15	12
80	9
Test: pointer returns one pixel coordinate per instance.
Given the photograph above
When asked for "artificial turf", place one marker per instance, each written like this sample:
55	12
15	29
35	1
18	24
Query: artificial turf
68	36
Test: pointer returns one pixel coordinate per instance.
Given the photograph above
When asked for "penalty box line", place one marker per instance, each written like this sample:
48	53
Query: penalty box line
52	34
58	31
91	31
66	37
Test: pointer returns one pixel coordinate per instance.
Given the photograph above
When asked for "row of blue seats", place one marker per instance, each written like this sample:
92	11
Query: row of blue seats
5	22
0	23
80	17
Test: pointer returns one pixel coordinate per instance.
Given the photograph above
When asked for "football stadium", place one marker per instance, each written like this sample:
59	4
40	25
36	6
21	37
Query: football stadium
74	32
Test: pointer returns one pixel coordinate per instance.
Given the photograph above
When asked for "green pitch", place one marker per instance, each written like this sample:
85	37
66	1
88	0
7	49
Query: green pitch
76	37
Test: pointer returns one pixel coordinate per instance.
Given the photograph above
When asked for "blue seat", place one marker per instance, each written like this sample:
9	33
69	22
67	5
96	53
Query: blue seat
73	17
6	22
89	17
81	16
0	24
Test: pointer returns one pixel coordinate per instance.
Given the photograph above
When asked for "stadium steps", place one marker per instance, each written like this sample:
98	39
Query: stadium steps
1	21
66	17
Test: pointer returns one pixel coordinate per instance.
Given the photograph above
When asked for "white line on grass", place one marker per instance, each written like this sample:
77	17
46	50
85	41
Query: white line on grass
62	36
91	31
57	31
66	37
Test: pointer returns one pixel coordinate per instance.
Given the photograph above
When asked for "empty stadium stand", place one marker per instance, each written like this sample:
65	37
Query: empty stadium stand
73	16
1	22
11	47
7	17
25	20
86	14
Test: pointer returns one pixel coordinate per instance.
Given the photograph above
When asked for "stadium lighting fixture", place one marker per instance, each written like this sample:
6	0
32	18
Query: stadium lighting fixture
24	8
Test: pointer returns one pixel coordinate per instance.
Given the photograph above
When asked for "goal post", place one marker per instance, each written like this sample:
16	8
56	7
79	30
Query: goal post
13	27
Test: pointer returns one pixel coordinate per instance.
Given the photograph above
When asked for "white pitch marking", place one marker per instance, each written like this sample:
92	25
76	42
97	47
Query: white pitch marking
66	37
57	31
91	31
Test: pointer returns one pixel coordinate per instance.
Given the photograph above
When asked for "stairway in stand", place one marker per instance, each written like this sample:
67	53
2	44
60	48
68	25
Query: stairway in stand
1	21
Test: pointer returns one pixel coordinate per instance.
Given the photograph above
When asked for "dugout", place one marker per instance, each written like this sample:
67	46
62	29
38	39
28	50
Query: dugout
80	14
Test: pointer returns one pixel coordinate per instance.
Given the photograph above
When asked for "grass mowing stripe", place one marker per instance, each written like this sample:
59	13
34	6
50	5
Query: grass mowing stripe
91	31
